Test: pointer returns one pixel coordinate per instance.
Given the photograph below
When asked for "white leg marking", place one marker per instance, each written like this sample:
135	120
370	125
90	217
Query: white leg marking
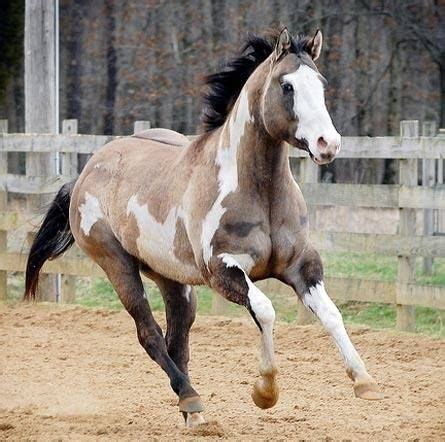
226	159
90	213
264	312
321	304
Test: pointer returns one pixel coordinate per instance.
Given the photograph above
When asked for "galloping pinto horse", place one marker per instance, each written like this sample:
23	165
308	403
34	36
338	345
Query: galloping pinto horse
222	210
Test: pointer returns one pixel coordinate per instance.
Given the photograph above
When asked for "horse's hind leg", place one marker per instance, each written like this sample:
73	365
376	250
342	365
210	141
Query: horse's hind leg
122	270
180	310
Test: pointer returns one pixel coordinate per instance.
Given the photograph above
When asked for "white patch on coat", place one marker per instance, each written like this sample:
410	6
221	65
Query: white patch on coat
187	292
155	237
90	213
314	120
327	312
226	159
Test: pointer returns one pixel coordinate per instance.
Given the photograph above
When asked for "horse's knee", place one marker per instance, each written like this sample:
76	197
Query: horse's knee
305	272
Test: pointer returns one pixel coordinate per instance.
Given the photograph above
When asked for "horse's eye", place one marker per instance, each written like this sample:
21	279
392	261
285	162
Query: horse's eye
287	88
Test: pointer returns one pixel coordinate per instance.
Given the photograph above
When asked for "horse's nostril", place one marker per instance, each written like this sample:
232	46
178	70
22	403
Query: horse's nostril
322	144
326	156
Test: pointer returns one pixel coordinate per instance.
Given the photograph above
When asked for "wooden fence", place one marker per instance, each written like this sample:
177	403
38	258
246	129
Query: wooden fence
407	197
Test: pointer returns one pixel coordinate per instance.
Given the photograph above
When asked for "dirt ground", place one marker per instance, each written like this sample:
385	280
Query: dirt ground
67	373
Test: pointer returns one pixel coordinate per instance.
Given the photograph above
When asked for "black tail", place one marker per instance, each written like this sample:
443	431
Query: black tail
52	239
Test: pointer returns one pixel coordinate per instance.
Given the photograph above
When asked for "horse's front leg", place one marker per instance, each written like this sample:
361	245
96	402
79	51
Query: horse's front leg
229	279
305	275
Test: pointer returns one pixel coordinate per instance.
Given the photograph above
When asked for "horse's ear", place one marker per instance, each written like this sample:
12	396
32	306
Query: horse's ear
283	44
314	46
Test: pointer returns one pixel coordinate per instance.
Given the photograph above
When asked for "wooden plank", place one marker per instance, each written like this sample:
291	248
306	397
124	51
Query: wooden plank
362	290
33	142
317	194
423	295
386	147
421	197
16	262
352	147
3	207
352	195
15	220
380	244
406	315
373	195
33	185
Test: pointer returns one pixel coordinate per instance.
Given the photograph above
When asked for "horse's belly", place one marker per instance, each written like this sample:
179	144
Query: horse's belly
168	265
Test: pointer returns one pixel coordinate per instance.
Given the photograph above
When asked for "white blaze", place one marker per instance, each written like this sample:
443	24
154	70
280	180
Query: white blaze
226	159
314	120
90	213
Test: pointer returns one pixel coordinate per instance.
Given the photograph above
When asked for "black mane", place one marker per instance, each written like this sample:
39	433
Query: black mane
225	86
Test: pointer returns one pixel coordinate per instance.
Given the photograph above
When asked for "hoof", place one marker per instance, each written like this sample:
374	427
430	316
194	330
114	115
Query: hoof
191	404
265	395
194	419
368	390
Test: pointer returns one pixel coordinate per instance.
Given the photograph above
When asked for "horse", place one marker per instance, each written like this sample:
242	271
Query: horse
222	210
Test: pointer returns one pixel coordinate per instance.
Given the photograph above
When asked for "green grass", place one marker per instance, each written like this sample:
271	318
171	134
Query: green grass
384	268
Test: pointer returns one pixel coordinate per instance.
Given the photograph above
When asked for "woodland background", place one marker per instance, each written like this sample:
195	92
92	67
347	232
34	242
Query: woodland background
127	60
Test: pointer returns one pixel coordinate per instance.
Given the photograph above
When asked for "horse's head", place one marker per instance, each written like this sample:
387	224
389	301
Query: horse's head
293	104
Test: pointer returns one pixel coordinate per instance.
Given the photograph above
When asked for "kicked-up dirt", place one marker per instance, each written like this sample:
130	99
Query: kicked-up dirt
67	373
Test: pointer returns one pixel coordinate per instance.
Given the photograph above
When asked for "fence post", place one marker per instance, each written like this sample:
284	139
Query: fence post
41	103
68	160
69	169
141	125
406	272
428	179
309	173
3	207
440	180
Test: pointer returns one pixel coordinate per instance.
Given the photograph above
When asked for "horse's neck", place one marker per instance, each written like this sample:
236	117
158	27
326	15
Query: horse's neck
257	159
